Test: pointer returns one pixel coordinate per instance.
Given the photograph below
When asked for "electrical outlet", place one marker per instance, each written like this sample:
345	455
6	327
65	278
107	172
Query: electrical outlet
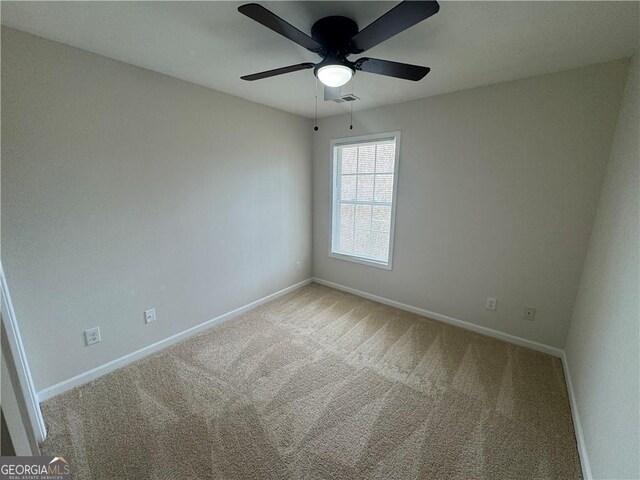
529	313
92	336
298	265
491	303
150	315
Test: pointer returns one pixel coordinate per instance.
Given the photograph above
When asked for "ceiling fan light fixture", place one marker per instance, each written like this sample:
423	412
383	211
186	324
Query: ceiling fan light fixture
334	75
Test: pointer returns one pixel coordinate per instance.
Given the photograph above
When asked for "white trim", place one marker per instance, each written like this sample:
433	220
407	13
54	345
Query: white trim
507	337
94	373
26	387
577	426
360	260
20	431
335	188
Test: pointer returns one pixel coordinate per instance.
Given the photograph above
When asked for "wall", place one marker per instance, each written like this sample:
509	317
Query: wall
497	193
602	344
124	190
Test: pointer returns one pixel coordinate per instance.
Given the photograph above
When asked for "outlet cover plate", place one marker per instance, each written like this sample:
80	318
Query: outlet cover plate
491	303
92	336
529	313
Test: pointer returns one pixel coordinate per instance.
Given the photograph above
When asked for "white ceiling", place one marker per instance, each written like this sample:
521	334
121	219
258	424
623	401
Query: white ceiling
467	44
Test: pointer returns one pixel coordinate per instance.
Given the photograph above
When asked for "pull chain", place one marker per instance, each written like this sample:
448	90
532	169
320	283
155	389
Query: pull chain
353	94
316	126
351	120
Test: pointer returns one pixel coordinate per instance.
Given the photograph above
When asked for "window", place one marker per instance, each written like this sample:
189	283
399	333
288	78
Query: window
365	171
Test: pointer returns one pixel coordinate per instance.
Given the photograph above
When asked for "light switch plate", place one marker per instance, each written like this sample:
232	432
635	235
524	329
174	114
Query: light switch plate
150	315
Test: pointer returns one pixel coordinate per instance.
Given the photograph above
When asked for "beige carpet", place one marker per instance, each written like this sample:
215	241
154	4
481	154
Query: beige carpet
320	384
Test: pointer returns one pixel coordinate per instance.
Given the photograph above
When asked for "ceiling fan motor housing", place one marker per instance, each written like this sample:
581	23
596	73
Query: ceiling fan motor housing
334	33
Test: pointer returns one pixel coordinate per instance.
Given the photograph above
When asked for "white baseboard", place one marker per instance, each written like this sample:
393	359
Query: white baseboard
577	426
94	373
556	352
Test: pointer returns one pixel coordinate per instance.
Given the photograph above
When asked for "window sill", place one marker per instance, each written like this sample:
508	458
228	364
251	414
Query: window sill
361	261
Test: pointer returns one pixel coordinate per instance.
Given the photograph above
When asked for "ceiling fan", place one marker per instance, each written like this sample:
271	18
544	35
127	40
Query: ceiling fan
335	38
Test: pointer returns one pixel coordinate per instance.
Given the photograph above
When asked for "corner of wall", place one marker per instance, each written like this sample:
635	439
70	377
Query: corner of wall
606	310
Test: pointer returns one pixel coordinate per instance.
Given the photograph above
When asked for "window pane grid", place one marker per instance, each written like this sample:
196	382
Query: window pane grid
364	180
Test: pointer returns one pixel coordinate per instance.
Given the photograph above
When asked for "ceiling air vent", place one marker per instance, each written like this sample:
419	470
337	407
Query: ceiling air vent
346	98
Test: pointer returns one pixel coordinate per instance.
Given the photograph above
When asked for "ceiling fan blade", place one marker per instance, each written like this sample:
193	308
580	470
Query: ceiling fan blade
271	20
404	15
392	69
278	71
332	93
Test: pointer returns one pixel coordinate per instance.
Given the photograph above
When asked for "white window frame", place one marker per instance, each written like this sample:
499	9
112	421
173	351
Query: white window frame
335	191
